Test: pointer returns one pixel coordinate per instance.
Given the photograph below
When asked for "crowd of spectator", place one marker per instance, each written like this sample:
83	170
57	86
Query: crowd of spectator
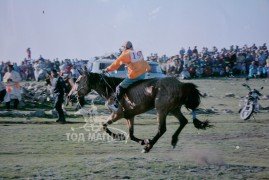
251	61
31	70
236	61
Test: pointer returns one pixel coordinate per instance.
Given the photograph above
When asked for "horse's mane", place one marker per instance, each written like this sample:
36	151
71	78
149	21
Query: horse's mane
112	80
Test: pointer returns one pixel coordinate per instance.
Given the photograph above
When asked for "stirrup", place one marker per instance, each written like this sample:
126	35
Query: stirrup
112	107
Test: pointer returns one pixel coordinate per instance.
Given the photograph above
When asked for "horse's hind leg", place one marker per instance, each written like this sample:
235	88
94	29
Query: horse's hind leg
161	118
183	121
130	124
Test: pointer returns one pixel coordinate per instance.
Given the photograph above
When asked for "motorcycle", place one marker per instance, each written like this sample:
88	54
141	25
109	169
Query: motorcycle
251	104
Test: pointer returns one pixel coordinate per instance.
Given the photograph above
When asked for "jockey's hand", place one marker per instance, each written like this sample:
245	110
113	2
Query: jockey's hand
104	71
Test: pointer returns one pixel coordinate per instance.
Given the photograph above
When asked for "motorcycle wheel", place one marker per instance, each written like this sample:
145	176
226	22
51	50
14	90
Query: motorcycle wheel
246	112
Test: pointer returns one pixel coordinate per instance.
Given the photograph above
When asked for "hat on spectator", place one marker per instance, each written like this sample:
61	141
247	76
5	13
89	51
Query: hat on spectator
127	45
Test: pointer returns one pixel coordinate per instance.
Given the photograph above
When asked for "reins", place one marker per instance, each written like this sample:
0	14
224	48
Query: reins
102	76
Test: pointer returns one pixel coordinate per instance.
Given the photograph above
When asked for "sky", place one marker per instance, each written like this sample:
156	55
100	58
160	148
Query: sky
86	28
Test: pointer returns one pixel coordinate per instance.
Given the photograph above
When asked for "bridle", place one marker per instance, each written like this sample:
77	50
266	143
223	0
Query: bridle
102	76
85	83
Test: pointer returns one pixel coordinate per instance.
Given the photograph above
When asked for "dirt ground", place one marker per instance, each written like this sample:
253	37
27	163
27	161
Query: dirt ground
38	148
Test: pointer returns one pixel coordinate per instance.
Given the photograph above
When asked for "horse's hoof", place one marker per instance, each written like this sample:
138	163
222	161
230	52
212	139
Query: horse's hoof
174	143
144	151
147	148
146	141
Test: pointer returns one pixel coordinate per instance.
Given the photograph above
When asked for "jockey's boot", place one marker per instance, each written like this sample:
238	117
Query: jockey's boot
8	106
120	91
16	102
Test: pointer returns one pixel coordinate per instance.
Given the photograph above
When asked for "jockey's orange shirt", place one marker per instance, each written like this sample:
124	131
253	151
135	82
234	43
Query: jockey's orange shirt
135	62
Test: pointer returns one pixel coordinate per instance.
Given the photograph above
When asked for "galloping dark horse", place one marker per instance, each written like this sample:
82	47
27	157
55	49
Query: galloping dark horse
167	95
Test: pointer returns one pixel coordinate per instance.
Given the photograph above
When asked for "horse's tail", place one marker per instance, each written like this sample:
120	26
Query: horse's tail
192	101
191	95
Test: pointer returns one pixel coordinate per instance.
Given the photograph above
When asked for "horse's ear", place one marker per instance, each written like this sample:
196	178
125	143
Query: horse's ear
85	69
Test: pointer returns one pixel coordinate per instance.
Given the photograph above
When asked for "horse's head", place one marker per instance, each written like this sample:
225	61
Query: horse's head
82	84
88	81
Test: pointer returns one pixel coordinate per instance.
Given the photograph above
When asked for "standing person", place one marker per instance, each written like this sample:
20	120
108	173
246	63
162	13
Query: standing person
59	90
2	70
137	67
28	50
182	52
11	80
252	70
22	71
195	51
39	67
189	52
186	60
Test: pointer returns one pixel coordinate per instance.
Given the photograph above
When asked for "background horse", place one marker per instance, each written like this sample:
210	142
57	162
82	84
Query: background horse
167	95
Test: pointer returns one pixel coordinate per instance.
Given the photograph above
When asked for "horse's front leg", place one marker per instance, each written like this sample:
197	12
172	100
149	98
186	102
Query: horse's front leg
161	118
130	124
113	118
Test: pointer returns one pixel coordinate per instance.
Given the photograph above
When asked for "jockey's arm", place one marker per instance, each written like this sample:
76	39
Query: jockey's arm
123	59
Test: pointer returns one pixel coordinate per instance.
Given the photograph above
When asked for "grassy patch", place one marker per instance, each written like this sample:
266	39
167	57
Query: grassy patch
38	148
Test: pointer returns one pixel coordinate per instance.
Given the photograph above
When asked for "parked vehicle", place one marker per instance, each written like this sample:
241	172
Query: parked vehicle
251	103
99	65
155	72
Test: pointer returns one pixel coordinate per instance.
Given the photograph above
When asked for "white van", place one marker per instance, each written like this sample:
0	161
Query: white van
155	72
100	64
